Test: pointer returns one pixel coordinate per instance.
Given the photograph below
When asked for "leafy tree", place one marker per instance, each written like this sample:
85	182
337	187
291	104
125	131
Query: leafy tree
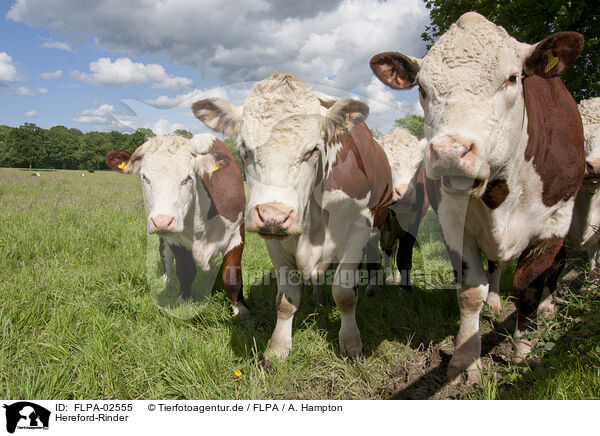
414	124
93	148
377	134
135	140
182	132
530	21
148	133
62	147
28	143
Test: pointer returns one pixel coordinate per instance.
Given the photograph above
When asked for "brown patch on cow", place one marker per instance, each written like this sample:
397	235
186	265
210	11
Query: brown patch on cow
115	158
563	47
326	104
225	185
538	266
434	192
185	268
495	193
555	138
285	309
361	168
394	69
232	271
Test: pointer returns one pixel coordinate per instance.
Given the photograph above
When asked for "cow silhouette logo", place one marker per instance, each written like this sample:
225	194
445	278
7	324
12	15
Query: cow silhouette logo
26	415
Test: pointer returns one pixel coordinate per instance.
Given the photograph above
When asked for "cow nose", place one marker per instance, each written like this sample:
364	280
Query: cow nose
162	223
451	148
277	214
592	168
404	194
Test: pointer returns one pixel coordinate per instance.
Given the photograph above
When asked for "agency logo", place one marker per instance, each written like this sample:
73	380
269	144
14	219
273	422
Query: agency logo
26	415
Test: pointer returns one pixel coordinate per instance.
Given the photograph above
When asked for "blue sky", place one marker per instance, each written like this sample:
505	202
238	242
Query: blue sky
111	65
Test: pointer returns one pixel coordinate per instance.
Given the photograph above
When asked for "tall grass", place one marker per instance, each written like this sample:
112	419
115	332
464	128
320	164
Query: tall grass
78	318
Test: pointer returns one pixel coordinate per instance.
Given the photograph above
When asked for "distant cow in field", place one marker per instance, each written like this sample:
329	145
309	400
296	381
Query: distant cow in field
585	227
506	139
405	154
195	196
318	185
36	174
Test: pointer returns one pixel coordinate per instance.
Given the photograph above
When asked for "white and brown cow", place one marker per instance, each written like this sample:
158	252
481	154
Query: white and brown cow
405	154
318	185
195	196
505	137
585	227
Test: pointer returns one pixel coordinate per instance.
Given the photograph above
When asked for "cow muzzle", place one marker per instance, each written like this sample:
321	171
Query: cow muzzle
458	164
591	177
162	224
273	220
404	196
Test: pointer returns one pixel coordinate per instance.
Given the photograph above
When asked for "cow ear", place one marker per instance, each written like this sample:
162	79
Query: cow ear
553	55
207	164
396	70
219	116
125	162
344	116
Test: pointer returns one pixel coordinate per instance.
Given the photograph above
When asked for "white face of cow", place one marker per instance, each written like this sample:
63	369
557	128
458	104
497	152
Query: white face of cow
283	134
405	154
471	90
590	116
168	167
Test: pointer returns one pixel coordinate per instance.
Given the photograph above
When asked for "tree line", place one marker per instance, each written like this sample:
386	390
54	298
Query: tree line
30	146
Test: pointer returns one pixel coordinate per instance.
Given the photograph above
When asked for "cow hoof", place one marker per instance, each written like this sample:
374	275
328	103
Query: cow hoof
458	375
493	300
522	352
268	366
241	312
182	299
547	309
350	345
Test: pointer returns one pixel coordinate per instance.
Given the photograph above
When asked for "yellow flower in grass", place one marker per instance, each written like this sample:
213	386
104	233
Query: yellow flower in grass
238	373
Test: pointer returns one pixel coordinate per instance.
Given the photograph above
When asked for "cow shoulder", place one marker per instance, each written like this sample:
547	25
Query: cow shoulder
555	138
361	168
225	185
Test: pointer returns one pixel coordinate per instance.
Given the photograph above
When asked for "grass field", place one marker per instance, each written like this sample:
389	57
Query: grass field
78	318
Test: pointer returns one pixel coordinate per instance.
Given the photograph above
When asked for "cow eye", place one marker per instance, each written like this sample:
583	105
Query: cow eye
511	80
311	153
187	180
145	179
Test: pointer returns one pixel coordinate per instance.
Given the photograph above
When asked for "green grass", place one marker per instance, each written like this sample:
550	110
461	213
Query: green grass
80	317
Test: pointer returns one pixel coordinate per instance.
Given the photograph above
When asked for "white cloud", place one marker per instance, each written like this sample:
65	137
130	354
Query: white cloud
124	72
186	100
51	75
326	42
26	92
31	114
8	71
164	127
105	118
58	45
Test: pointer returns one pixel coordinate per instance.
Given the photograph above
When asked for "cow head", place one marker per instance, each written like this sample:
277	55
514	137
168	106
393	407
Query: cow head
471	90
284	136
405	153
170	167
590	116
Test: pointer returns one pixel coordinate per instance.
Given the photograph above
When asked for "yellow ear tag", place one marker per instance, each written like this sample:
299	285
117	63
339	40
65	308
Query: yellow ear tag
123	166
346	124
213	169
552	61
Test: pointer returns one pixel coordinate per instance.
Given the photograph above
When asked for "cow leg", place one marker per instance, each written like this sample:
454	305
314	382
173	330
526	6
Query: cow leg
345	295
472	290
289	287
404	258
594	254
319	294
166	258
373	264
536	276
391	275
232	279
493	298
185	267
